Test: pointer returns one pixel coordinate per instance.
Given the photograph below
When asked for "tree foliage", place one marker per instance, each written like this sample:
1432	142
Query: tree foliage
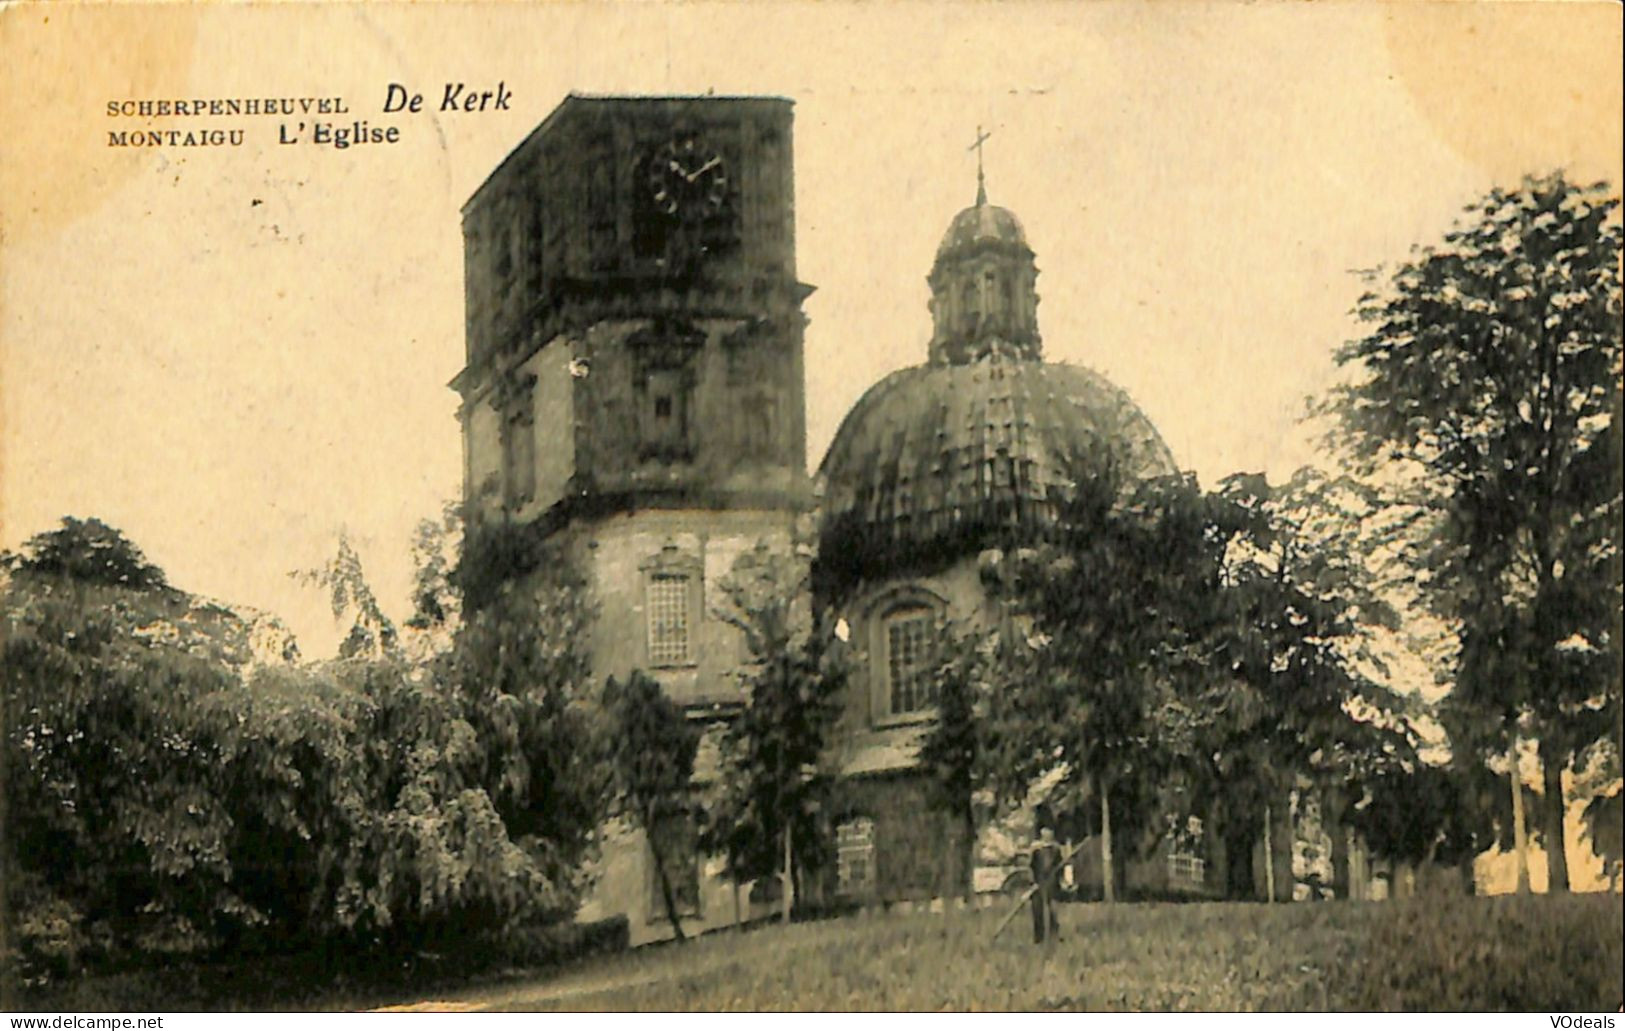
86	551
769	798
437	604
1103	629
1485	403
652	745
165	792
1175	654
1302	698
372	633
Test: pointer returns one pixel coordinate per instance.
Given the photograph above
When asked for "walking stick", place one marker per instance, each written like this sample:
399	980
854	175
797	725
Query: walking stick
1065	858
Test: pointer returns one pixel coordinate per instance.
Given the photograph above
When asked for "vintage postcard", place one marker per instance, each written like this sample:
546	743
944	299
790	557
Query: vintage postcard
810	506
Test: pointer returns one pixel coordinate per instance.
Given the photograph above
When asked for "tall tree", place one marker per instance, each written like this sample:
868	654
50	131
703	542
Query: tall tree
652	745
969	669
522	673
1485	393
86	551
437	605
372	633
1304	641
764	817
1105	612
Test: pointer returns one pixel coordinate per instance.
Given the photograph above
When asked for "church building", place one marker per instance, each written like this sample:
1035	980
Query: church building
634	387
935	466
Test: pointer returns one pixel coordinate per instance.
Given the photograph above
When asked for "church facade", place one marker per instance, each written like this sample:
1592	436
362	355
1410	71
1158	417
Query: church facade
936	467
634	387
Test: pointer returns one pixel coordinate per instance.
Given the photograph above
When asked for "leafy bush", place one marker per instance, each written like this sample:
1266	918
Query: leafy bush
86	551
548	945
167	795
327	978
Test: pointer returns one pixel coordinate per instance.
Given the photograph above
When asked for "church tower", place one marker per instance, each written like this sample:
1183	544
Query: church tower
631	298
634	388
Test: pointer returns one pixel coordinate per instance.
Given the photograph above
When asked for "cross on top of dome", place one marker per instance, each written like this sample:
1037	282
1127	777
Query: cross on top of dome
981	182
983	301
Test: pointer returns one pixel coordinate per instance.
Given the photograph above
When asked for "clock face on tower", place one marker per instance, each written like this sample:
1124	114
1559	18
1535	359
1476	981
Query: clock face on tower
687	180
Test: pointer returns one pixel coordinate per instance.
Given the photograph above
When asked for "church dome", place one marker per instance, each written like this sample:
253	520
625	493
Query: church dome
979	225
981	445
944	459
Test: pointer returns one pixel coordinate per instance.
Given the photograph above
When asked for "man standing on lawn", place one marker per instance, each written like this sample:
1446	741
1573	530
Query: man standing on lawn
1046	863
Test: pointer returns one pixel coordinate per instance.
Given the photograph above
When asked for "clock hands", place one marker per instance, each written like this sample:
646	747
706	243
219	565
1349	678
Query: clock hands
692	176
675	186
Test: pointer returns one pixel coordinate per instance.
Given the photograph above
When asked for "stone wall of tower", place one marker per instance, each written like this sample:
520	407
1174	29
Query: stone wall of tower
707	410
639	358
634	388
619	553
563	218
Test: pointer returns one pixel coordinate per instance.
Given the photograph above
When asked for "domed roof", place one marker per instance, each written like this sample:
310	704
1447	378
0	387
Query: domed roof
982	223
944	457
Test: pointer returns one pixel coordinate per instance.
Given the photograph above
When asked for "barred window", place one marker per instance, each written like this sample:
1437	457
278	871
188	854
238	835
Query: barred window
1185	868
855	857
908	667
668	609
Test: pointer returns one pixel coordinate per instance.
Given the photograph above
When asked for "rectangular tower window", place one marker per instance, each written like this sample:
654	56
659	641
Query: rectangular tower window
667	603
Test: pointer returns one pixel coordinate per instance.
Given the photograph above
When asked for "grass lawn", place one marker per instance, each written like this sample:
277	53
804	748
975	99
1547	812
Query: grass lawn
1531	953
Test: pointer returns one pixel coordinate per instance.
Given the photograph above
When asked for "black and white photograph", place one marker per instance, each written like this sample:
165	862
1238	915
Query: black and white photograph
790	506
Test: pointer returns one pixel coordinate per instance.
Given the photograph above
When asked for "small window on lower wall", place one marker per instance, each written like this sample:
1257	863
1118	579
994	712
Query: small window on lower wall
855	858
673	840
1185	868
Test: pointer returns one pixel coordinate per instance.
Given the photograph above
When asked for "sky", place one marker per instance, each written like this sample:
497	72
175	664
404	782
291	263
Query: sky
232	354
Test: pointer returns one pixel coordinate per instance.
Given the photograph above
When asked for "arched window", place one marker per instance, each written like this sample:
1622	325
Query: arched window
906	634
